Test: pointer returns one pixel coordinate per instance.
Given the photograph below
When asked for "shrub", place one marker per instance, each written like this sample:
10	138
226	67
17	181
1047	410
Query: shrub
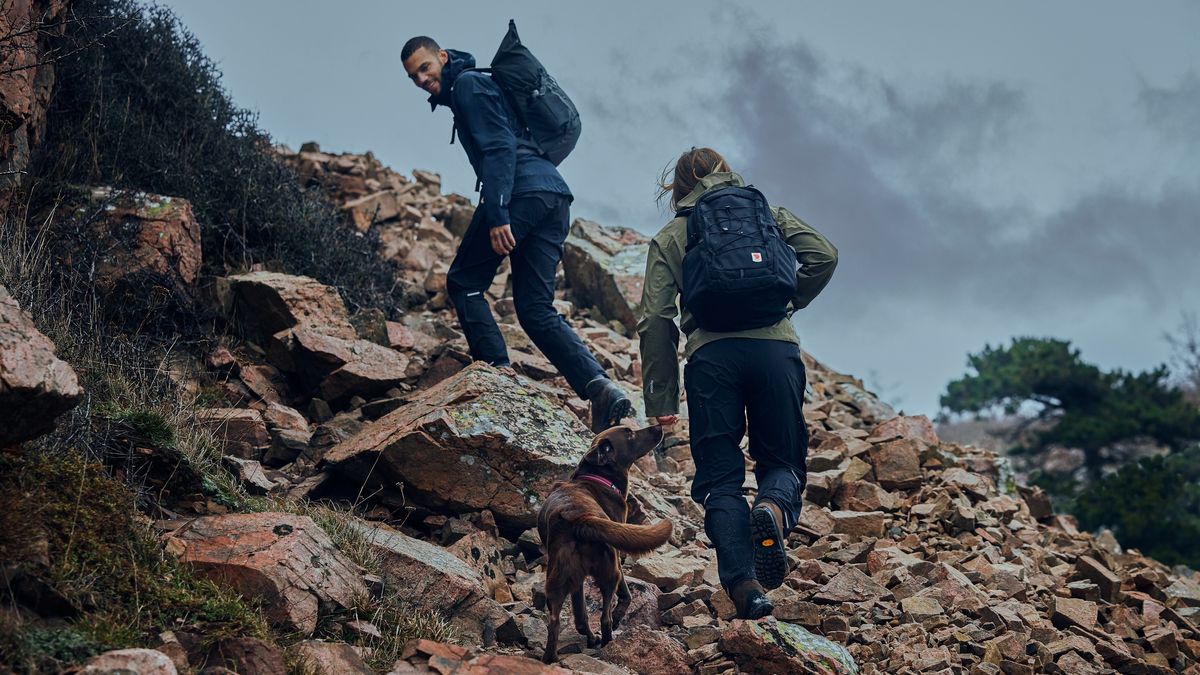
1152	505
143	108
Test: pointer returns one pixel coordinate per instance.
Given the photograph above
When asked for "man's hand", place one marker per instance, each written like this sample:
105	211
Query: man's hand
503	241
667	421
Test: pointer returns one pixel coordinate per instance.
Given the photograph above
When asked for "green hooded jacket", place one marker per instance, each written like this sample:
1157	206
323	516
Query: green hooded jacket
664	277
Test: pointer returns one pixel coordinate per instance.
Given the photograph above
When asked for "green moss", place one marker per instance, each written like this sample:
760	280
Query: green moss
34	649
109	564
152	425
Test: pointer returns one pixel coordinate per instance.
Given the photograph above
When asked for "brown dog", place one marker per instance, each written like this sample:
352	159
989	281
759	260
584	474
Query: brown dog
586	521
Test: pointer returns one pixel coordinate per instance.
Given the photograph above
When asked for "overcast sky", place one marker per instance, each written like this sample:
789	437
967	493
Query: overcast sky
986	171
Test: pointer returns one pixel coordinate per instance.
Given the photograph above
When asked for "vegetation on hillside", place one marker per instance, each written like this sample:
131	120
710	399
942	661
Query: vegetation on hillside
1082	405
143	108
139	106
1153	503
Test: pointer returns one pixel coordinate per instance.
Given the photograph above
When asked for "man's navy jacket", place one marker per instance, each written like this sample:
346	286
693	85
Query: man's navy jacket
505	160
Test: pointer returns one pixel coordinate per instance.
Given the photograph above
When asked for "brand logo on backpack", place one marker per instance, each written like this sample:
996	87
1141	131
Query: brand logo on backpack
723	290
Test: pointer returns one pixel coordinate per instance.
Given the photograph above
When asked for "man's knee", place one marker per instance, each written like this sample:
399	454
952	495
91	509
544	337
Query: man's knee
459	287
536	316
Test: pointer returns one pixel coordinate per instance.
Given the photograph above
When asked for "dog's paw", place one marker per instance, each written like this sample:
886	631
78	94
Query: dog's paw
549	657
592	640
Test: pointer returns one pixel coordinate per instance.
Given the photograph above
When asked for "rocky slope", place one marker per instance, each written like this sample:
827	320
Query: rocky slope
913	555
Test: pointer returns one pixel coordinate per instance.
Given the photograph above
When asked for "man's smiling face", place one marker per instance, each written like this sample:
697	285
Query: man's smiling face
424	68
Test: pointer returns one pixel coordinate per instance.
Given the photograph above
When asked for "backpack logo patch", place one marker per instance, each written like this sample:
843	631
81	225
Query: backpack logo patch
756	256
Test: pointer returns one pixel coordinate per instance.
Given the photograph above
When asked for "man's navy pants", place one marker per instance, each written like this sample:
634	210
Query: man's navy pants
539	224
730	382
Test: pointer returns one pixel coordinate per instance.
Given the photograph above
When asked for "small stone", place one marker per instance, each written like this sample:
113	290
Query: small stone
897	464
859	524
1071	612
920	608
850	585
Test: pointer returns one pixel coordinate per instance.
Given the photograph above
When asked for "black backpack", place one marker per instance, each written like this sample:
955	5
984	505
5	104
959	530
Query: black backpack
543	107
738	270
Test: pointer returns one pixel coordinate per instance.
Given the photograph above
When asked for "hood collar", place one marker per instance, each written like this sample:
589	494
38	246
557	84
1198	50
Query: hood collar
713	180
458	62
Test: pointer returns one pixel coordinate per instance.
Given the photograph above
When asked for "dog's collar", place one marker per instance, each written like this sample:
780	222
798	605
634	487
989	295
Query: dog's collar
601	480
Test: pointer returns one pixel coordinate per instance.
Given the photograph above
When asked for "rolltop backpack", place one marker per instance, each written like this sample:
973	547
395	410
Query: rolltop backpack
738	270
543	107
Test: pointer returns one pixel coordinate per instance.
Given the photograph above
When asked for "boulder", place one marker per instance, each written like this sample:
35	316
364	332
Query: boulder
337	368
859	523
477	440
246	655
284	559
481	551
668	572
917	428
141	234
35	385
643	608
436	657
269	302
26	83
241	431
329	658
769	646
605	267
434	580
864	495
850	585
125	661
897	464
647	652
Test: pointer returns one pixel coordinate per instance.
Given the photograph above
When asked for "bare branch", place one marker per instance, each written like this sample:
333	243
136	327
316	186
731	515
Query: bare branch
53	54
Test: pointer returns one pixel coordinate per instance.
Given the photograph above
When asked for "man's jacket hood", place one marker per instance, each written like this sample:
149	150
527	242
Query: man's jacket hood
458	62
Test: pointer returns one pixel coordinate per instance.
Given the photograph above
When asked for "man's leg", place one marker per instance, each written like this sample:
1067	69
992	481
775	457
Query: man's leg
469	277
779	446
535	261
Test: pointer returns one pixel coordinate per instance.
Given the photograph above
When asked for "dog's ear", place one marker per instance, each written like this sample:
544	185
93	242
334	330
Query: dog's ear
605	452
602	451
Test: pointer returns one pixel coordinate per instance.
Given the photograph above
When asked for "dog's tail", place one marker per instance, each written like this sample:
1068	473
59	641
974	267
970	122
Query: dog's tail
623	536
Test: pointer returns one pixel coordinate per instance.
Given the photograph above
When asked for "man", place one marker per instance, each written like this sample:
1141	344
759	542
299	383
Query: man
524	213
751	379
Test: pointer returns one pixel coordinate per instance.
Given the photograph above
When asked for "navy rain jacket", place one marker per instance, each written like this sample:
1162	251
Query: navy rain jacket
498	145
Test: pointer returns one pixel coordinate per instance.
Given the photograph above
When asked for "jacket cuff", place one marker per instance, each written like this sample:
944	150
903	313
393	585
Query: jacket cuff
500	217
661	409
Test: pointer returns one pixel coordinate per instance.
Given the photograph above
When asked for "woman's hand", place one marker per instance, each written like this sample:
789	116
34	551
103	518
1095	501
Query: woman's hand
667	421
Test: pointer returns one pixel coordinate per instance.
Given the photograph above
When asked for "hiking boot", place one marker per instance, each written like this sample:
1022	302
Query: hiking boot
750	601
767	536
609	402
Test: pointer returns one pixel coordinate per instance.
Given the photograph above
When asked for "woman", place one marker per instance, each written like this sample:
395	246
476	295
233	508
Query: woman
733	376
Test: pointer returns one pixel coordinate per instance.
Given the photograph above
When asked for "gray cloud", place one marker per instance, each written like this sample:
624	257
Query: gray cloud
880	168
1174	111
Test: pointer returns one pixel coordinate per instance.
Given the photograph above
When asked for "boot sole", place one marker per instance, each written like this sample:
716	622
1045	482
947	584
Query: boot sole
760	609
616	412
770	558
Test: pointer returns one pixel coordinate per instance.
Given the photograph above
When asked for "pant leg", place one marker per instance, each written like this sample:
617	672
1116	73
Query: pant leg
778	434
470	275
535	262
717	423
